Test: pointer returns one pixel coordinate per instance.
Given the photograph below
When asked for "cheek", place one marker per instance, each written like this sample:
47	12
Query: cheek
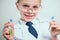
35	15
22	11
35	12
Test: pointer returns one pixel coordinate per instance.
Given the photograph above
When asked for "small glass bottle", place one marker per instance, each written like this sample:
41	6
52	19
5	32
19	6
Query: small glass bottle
10	28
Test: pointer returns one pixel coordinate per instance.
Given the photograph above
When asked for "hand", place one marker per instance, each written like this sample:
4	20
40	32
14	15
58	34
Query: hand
6	31
55	29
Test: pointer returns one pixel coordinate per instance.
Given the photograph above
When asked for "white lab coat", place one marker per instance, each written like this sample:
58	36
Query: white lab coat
41	25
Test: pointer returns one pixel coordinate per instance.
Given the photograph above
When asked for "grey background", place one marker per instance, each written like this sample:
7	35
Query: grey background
8	10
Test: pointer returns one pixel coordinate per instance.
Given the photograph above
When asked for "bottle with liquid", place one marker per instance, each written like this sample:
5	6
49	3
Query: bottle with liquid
10	27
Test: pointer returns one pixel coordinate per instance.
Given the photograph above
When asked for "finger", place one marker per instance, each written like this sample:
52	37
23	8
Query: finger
53	23
58	28
6	33
7	37
6	23
5	29
6	26
54	26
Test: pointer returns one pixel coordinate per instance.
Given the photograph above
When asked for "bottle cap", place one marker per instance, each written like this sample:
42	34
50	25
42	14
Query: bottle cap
10	19
52	17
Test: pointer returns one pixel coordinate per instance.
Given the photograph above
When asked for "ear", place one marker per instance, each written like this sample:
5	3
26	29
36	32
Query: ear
17	6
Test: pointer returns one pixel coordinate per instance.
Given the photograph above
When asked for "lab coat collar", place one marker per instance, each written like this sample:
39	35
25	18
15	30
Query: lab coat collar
34	21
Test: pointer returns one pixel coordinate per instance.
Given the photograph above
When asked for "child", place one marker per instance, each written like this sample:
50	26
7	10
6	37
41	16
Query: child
29	27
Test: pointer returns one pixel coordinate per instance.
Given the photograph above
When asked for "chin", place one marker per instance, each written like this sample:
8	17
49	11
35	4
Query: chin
27	20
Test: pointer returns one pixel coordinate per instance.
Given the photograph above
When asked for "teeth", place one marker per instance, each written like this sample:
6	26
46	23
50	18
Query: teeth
28	15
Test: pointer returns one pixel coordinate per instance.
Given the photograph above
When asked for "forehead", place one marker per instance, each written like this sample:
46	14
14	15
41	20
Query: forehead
31	1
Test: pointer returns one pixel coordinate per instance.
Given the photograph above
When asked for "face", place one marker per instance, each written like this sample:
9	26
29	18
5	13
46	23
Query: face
28	9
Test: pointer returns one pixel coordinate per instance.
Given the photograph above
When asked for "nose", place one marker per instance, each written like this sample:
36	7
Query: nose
30	11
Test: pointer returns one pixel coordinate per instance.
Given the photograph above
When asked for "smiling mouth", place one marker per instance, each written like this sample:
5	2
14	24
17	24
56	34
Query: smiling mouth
29	16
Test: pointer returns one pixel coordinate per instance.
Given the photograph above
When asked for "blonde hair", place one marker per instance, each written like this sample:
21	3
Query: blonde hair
18	1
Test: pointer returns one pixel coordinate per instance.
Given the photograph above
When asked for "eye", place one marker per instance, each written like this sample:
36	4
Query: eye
35	6
25	5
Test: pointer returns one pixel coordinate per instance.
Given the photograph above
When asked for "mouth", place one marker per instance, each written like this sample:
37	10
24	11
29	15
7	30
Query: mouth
28	16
